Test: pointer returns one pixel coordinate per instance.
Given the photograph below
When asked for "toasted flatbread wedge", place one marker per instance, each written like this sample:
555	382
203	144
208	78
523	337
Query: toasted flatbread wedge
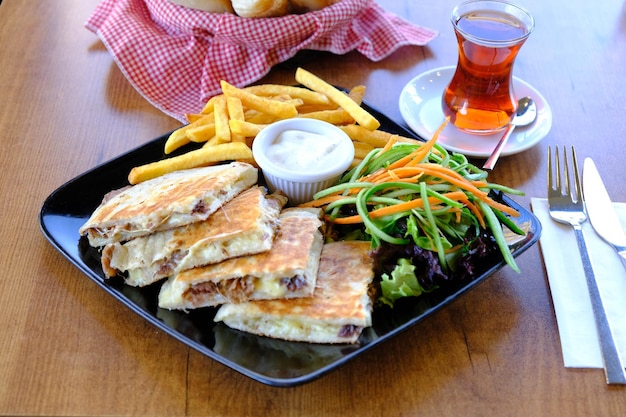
337	313
244	226
169	201
287	270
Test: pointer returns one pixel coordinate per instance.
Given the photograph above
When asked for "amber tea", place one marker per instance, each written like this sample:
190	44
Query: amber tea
480	98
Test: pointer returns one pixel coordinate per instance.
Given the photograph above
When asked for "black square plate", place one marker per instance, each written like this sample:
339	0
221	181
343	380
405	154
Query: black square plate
272	362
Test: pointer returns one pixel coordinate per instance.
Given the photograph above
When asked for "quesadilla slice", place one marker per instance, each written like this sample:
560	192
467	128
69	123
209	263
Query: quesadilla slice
287	270
245	225
165	202
337	313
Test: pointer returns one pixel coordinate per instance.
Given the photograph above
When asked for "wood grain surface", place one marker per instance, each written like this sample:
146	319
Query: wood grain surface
68	348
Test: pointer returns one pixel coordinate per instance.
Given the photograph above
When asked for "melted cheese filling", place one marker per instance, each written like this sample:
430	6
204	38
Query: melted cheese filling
286	328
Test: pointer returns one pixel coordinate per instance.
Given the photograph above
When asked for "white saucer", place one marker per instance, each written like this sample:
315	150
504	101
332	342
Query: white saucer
420	106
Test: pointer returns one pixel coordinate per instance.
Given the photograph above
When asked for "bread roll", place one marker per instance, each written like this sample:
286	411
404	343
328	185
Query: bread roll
256	8
214	6
302	6
261	8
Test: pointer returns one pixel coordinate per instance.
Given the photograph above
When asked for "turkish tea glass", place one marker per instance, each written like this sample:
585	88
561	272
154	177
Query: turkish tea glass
480	98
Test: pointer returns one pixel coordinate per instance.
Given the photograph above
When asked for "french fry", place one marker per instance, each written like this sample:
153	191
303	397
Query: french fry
192	159
337	117
209	106
361	149
235	108
246	129
312	108
201	133
211	142
360	115
278	109
376	138
259	118
357	93
283	97
307	96
222	130
296	102
175	140
179	137
408	140
235	112
192	117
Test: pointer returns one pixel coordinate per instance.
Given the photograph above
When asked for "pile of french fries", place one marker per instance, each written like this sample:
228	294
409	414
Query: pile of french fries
229	122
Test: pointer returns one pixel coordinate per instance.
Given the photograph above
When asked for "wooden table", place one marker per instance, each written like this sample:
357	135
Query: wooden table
68	348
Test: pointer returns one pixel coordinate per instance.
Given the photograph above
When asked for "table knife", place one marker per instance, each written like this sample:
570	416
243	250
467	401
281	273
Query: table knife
600	210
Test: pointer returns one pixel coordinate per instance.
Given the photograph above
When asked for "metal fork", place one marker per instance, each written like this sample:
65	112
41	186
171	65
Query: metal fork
566	205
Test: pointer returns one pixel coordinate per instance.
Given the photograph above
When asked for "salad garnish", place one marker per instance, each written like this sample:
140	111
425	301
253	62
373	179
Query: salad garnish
422	196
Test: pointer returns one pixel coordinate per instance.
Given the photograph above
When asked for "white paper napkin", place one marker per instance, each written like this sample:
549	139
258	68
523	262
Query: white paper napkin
572	306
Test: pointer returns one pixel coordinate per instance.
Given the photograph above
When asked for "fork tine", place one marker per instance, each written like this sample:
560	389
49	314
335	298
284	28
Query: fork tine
554	170
557	163
579	195
559	184
566	172
550	186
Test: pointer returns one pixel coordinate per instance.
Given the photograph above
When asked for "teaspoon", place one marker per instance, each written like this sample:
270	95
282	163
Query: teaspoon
525	115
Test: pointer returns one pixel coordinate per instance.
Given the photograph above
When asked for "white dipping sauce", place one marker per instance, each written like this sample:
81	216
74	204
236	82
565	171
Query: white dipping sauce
298	150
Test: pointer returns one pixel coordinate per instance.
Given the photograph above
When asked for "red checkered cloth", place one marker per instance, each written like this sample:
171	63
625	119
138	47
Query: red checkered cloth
176	56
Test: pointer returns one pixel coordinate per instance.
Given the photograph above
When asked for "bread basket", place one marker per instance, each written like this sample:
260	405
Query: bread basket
176	56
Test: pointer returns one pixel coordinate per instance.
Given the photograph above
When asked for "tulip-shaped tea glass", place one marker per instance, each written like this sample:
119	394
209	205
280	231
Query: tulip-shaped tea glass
480	98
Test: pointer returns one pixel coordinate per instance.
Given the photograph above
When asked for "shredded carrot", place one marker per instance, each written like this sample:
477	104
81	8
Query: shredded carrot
392	140
323	201
434	170
411	174
453	249
375	176
472	207
409	180
458	180
419	154
400	207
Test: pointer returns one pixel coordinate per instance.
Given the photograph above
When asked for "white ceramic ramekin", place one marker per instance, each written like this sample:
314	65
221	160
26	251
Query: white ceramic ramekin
301	184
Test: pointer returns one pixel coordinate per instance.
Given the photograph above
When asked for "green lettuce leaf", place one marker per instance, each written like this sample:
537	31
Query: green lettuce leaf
401	283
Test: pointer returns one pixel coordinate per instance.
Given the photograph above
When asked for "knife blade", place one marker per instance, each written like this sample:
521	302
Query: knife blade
600	210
